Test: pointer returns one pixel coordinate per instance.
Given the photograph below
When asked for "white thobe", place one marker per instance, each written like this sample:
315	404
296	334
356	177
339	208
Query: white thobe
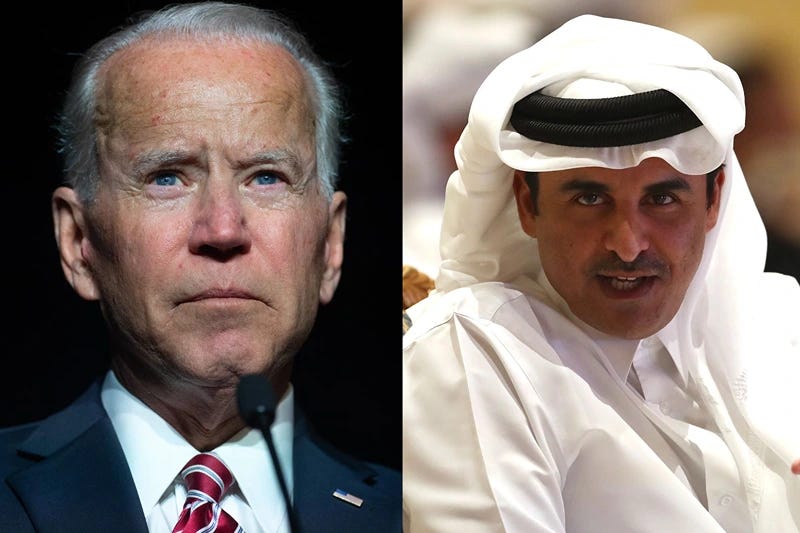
519	418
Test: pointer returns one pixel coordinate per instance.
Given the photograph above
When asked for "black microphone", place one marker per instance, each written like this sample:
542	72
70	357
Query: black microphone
257	405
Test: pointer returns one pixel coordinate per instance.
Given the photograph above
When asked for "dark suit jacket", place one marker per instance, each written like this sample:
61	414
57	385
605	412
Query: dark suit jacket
68	473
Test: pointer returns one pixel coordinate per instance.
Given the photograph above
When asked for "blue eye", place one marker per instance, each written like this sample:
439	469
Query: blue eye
166	180
266	178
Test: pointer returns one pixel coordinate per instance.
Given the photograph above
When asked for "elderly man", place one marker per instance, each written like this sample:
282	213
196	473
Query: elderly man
603	351
202	212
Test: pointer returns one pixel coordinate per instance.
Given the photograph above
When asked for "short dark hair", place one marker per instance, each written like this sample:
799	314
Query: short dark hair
532	179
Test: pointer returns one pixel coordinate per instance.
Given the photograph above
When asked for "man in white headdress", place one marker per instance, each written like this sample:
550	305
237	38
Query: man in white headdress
603	351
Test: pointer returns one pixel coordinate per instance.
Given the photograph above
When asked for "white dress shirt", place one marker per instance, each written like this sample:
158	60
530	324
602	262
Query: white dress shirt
156	453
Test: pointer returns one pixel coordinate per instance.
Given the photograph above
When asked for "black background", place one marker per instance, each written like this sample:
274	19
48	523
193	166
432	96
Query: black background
349	377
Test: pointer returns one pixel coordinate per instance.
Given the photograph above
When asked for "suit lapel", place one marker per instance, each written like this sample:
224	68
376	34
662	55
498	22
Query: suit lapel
319	471
81	481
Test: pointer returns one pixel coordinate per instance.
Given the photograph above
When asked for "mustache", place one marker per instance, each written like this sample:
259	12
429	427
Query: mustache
643	265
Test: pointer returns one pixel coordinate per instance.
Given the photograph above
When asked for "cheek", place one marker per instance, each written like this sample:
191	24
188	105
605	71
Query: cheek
565	256
144	255
683	247
294	259
293	244
565	249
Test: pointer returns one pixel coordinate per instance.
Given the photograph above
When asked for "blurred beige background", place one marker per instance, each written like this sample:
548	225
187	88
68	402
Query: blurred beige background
770	25
451	45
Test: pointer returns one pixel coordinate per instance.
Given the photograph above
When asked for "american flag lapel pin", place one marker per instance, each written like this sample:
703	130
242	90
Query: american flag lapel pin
347	497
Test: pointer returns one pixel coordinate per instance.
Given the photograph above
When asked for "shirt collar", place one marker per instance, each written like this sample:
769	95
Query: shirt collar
156	452
247	455
668	338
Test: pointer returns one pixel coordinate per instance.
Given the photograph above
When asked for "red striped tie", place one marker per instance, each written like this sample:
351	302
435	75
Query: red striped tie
207	478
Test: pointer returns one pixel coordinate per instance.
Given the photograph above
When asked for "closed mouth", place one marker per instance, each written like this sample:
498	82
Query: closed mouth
221	294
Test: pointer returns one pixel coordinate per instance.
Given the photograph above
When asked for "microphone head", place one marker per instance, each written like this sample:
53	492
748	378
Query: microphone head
256	401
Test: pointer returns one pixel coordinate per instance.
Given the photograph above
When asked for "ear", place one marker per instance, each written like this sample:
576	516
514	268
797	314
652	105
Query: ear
525	212
712	213
71	237
334	247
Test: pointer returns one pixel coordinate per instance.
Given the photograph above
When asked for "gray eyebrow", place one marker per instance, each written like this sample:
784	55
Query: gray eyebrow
148	160
286	157
164	158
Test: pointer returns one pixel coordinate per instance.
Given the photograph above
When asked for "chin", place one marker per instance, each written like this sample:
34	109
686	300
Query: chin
222	367
630	331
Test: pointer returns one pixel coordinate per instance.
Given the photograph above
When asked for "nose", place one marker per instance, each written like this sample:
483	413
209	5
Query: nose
626	236
219	228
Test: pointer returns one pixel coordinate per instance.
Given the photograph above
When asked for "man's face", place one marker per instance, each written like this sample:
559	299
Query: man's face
620	246
210	244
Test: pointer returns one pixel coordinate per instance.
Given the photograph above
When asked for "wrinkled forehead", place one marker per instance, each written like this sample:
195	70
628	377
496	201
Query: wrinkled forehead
163	73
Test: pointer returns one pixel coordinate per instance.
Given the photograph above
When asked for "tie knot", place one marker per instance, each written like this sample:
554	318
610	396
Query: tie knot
207	478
